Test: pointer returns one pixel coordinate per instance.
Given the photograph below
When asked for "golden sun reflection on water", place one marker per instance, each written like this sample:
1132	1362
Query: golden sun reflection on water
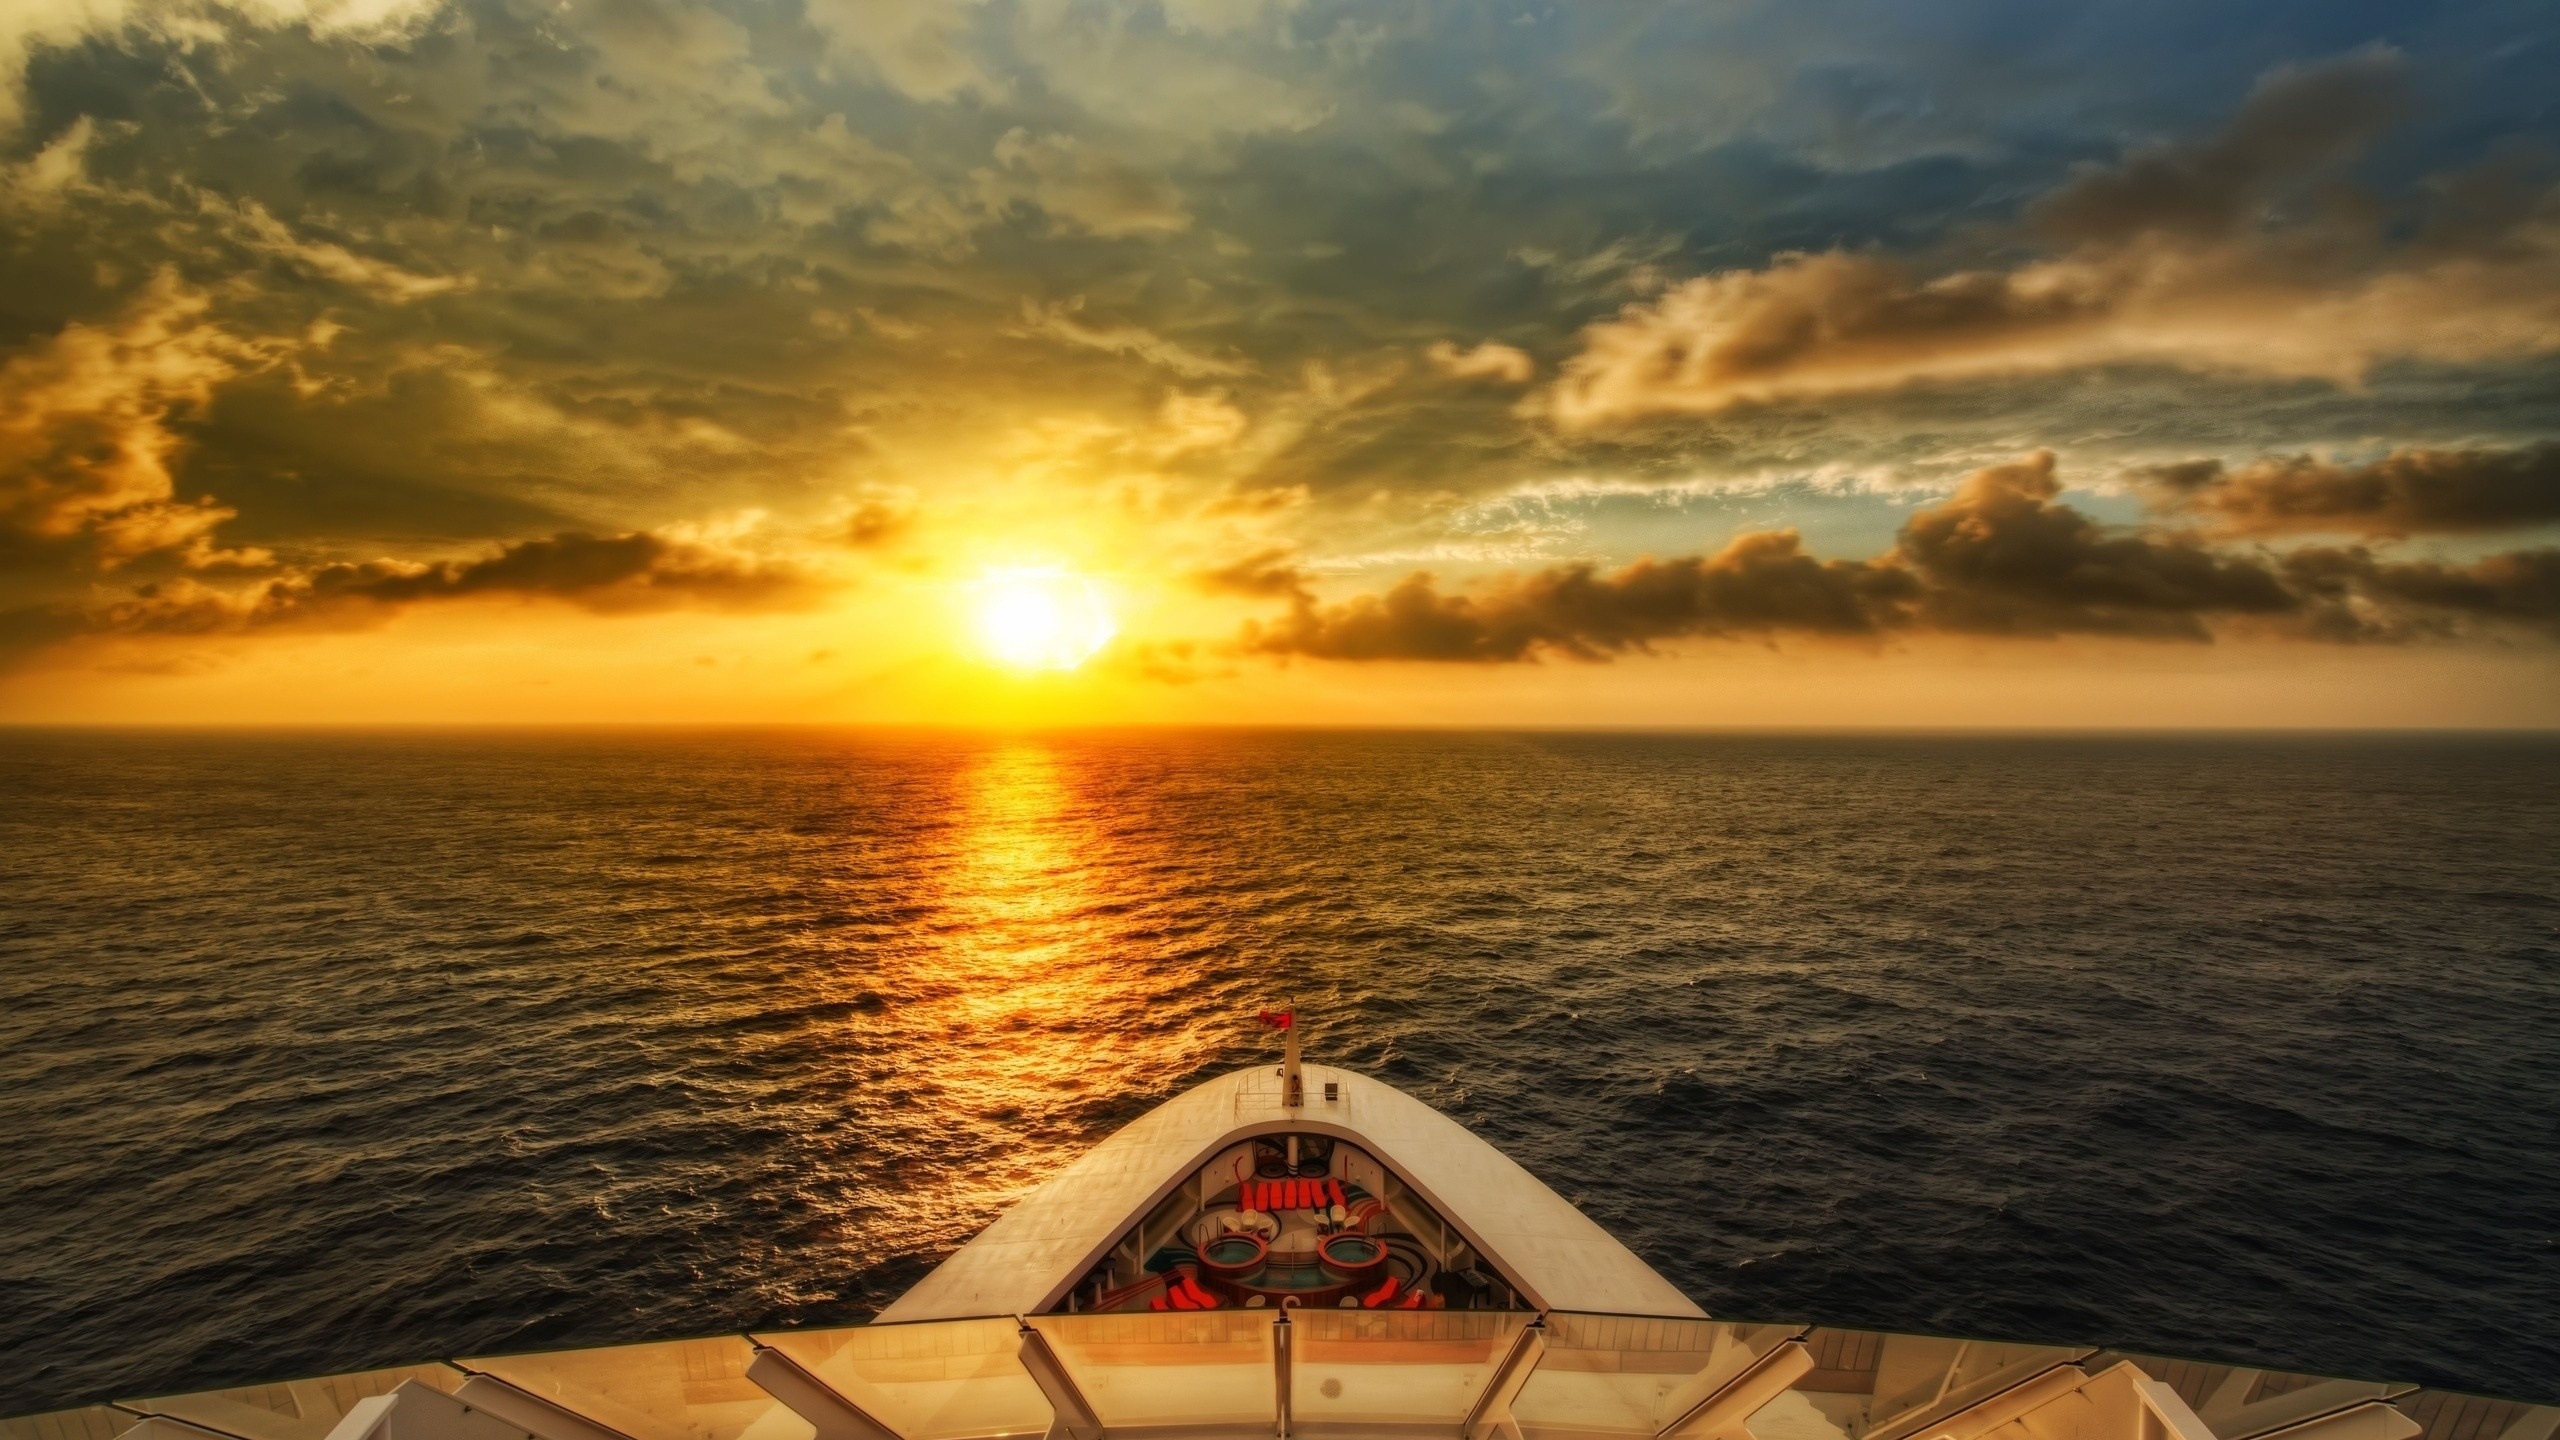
1026	1007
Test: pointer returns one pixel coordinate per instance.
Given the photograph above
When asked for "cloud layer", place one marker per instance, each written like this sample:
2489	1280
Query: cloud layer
312	314
2001	557
609	574
2408	492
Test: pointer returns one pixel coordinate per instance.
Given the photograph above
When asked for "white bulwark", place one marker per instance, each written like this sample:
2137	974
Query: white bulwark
1034	1254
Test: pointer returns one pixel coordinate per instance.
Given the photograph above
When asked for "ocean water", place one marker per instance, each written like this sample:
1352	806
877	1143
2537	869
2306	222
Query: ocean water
327	1051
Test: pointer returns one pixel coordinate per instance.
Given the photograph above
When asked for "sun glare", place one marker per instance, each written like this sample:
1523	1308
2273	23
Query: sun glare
1041	619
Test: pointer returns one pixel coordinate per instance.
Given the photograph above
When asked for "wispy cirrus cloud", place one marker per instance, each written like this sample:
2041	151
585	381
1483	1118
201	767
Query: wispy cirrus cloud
1062	321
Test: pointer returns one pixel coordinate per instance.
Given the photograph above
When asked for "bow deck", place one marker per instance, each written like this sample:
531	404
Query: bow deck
1460	1222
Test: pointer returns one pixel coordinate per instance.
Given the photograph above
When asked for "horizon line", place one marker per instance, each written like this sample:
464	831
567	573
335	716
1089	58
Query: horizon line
203	727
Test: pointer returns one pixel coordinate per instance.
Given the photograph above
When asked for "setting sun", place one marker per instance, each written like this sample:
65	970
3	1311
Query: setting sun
1041	619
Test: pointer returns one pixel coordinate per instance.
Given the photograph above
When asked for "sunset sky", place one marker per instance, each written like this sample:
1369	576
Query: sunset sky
1840	362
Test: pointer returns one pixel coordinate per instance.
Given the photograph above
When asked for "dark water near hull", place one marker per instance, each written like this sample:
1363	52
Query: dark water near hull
324	1052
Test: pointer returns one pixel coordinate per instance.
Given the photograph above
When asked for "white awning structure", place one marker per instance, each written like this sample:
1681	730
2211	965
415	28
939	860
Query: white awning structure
1033	1254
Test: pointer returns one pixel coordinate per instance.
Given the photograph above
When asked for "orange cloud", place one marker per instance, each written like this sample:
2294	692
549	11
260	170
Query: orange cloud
85	429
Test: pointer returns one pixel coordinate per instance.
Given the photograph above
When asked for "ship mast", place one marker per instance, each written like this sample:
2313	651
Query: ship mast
1293	1090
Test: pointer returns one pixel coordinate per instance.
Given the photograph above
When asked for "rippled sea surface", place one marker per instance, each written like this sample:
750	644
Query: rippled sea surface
320	1052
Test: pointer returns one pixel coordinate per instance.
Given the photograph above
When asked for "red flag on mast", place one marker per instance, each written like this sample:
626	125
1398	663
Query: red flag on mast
1279	1019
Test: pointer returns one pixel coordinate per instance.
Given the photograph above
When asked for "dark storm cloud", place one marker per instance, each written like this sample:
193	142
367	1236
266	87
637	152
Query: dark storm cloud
604	572
2000	557
1760	584
610	574
2408	492
2359	596
2299	124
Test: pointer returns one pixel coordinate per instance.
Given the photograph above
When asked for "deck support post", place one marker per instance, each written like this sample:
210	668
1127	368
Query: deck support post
813	1399
527	1411
410	1412
1280	1332
1072	1416
1993	1411
1764	1380
1490	1416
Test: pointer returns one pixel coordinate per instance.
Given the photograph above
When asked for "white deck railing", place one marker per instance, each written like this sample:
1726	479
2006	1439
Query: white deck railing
1315	1375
